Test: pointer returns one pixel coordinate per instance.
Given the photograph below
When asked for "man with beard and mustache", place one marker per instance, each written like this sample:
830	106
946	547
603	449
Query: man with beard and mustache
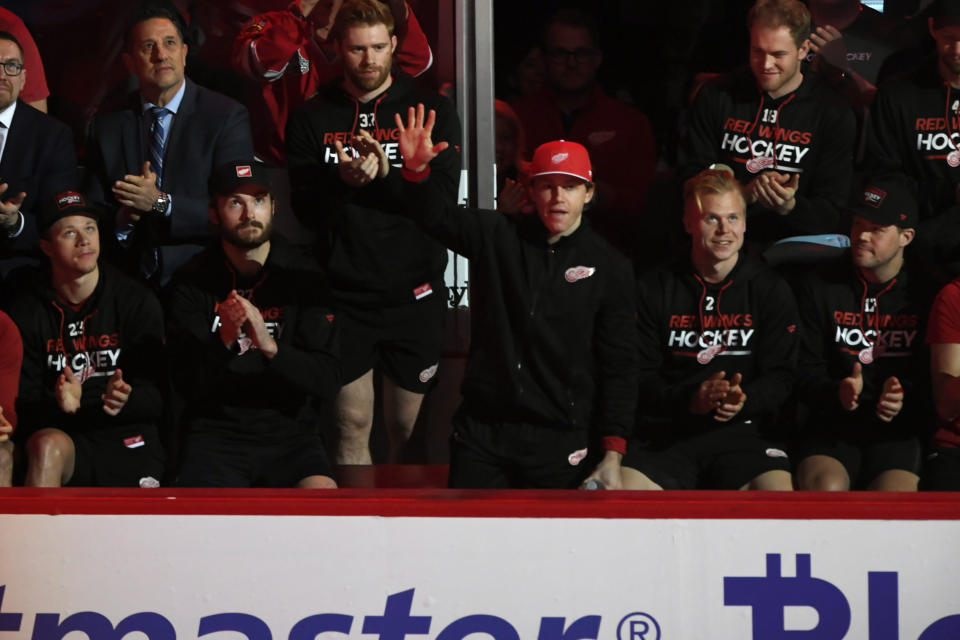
385	274
863	360
916	131
253	346
37	159
291	56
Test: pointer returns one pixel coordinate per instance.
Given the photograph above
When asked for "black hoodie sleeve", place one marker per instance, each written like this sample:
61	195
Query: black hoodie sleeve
659	398
775	356
316	190
387	193
143	360
311	361
700	147
825	187
816	387
615	345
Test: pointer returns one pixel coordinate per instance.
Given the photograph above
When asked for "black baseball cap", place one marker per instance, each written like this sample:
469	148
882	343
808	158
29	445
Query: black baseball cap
945	13
887	200
64	204
227	178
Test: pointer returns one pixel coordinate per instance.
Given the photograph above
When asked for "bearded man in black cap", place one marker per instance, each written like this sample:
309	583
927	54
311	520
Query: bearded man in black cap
254	345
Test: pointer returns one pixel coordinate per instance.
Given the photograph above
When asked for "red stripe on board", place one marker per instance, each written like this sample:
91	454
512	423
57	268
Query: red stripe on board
444	503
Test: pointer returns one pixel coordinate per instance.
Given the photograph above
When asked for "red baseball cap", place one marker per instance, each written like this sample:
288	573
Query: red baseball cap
562	156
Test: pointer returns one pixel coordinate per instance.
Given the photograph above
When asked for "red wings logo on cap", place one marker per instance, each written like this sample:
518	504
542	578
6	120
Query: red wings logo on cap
557	158
874	196
68	199
244	171
903	216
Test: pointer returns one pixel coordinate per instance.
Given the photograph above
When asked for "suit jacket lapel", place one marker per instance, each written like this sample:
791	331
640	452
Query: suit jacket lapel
17	139
131	137
175	138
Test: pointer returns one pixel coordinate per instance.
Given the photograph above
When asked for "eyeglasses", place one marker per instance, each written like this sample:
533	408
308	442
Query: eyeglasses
12	67
579	56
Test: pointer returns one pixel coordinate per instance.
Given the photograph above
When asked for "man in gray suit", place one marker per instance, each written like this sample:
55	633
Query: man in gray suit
151	161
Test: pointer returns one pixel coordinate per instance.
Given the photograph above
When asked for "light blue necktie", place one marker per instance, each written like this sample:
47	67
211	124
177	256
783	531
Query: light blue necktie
156	141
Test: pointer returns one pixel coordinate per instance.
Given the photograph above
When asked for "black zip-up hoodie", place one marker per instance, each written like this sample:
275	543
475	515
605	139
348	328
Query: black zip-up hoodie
119	326
690	329
372	256
810	131
552	336
238	392
840	313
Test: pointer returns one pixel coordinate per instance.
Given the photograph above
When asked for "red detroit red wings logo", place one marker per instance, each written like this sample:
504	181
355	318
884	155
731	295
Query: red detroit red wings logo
755	165
578	273
428	373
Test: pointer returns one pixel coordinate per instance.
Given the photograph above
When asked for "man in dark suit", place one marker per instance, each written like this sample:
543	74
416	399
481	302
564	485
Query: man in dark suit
36	155
151	161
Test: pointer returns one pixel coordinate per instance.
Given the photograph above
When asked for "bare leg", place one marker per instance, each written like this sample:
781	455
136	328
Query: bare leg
317	482
50	458
895	480
355	420
770	481
6	464
633	479
400	410
822	473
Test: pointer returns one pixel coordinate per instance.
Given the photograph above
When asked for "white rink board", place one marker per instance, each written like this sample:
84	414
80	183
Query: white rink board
517	572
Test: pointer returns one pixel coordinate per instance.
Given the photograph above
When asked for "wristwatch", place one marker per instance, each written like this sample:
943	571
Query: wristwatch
160	206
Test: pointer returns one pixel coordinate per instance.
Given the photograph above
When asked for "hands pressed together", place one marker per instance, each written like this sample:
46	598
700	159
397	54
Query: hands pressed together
724	397
774	190
139	192
239	316
371	162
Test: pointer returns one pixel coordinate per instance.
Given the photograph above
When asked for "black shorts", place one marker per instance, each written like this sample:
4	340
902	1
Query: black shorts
726	457
865	456
117	457
403	341
941	470
487	454
213	460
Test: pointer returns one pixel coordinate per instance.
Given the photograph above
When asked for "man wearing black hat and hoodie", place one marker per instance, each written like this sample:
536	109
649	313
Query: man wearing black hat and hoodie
916	131
864	371
253	344
93	362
